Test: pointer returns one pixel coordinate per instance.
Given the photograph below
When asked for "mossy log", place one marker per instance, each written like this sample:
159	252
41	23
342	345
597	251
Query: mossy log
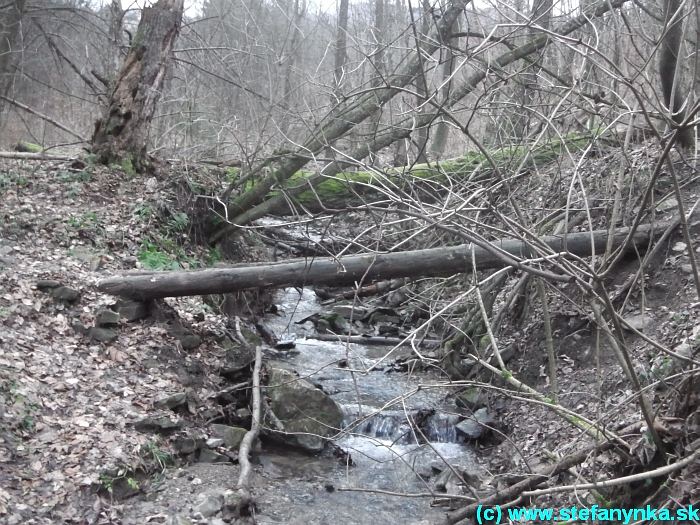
28	147
353	269
315	191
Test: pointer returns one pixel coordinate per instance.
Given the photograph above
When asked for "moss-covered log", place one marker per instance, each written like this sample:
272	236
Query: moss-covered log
315	191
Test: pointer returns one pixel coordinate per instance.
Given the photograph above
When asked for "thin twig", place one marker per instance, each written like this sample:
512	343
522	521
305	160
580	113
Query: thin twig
625	480
43	117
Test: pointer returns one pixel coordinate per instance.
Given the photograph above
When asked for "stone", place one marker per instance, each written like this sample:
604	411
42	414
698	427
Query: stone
471	398
476	426
637	322
232	499
172	401
210	503
102	335
65	294
47	284
158	424
131	310
668	204
687	268
80	328
214	442
238	357
176	519
106	318
232	436
307	415
190	341
209	456
184	445
347	311
242	414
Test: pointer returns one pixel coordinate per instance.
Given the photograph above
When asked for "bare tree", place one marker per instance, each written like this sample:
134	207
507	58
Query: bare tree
341	44
10	24
122	133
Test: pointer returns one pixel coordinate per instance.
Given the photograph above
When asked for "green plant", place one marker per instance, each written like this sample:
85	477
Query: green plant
74	176
107	482
143	211
75	190
153	258
8	179
127	165
178	222
152	454
87	219
213	256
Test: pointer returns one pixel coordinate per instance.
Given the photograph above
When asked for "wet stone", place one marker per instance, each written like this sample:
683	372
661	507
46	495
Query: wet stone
306	414
477	425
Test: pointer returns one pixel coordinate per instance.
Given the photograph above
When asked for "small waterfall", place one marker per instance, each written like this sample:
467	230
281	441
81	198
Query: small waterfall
402	427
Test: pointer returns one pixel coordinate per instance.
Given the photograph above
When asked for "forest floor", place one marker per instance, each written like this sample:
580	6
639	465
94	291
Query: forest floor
71	395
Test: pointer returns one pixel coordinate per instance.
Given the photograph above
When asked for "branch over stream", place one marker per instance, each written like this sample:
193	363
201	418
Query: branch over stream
352	269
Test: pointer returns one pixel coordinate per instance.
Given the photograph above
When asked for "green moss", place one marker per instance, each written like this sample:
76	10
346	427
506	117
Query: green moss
333	192
127	166
232	174
28	147
484	342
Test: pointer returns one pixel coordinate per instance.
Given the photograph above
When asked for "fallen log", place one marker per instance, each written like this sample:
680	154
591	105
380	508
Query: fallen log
28	155
373	340
348	270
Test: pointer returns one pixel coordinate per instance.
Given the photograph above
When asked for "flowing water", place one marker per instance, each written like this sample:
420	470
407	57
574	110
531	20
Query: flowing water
387	452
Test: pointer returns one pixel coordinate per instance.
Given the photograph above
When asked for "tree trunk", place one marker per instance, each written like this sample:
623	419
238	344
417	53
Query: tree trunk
341	44
541	16
10	24
361	268
442	130
422	133
116	18
292	54
122	134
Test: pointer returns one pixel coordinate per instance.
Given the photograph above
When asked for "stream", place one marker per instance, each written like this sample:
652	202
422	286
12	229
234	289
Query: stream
387	454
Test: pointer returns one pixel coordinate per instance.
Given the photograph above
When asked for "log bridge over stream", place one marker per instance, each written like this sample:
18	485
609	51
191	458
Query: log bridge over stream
352	269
